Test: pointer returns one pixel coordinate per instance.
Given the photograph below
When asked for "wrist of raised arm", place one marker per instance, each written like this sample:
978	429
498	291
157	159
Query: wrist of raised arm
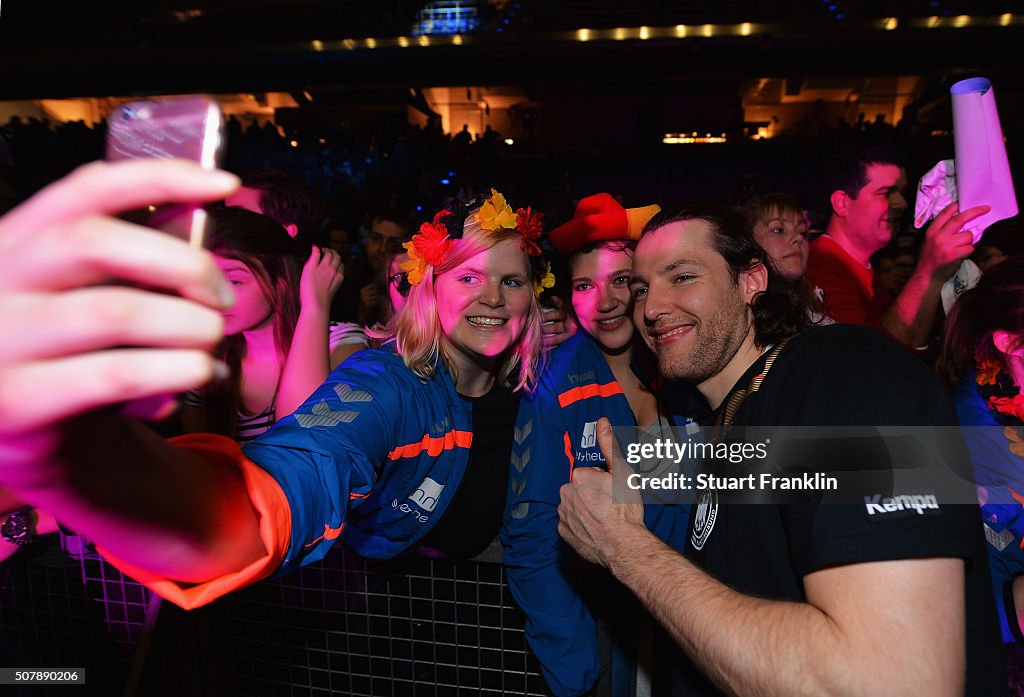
314	311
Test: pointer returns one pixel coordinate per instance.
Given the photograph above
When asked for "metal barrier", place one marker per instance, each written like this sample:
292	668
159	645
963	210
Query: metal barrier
342	626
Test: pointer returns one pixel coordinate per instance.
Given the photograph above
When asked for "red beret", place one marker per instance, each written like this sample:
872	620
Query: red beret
600	217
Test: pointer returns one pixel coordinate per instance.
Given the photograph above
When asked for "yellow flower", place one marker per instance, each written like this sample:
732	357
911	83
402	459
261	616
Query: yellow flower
496	213
416	266
547	282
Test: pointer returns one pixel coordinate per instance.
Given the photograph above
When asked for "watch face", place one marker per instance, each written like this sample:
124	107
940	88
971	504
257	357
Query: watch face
17	529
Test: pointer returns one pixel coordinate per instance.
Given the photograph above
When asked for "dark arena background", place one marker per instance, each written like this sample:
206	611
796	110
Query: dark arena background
400	104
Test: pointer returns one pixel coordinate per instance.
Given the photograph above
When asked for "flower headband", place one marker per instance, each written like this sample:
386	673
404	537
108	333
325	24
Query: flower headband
432	243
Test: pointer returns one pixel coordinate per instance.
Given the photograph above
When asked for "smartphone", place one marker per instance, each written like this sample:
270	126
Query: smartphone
190	128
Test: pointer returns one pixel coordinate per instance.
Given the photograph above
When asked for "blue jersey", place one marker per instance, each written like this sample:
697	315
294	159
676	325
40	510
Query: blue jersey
1000	474
375	454
555	433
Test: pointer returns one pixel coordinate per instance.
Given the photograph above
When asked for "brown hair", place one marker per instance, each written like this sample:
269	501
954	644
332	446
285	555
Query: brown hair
764	207
996	303
269	252
780	310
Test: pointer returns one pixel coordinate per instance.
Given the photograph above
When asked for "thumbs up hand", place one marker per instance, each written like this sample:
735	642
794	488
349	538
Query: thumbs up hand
599	513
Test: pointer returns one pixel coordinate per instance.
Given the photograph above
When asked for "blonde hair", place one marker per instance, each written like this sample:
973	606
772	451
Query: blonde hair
416	328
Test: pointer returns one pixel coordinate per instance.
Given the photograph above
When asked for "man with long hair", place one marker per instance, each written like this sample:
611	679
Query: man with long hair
780	598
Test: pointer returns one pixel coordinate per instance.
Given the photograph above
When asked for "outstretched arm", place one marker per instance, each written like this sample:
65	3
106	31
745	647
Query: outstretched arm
838	642
74	350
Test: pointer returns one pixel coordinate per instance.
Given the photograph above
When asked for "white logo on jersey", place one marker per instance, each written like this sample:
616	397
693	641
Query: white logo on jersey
877	505
427	494
589	439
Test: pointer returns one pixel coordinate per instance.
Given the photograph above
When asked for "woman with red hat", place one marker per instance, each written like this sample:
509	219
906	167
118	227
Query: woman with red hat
591	375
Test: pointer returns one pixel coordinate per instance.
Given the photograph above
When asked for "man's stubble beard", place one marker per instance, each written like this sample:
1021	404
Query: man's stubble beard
716	341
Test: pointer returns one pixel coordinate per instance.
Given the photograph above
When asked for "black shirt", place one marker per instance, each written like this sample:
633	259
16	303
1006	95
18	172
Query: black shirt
474	516
843	376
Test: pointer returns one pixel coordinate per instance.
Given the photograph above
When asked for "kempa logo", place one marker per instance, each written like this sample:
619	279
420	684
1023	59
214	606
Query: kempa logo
589	439
901	503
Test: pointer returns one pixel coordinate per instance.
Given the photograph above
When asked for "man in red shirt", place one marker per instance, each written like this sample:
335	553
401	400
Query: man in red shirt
867	205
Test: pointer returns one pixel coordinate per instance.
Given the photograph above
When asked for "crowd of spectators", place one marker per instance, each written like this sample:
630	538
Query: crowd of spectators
376	185
404	169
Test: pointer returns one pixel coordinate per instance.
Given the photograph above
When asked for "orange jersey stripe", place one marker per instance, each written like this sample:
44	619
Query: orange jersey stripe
332	533
433	446
586	391
329	534
568	453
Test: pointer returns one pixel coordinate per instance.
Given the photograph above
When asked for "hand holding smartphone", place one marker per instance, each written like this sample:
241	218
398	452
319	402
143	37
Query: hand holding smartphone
189	128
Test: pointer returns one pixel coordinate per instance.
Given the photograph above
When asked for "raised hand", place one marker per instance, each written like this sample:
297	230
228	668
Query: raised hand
589	518
322	276
558	325
946	243
96	311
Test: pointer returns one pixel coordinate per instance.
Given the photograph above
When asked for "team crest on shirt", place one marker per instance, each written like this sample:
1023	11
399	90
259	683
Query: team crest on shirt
704	520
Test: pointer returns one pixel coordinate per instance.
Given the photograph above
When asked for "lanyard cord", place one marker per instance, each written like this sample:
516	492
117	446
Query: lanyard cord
725	419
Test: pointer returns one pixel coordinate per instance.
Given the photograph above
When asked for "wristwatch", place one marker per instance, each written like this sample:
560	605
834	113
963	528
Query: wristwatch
20	527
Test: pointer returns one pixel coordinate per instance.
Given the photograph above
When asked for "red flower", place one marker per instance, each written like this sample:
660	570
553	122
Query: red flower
428	246
528	224
432	242
1011	406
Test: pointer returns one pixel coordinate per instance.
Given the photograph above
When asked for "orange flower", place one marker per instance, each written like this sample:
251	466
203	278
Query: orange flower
1016	443
987	372
528	224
